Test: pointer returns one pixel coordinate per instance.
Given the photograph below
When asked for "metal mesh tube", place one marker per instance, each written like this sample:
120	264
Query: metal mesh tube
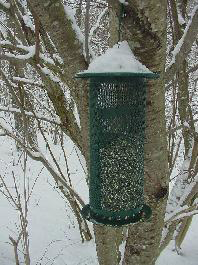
117	124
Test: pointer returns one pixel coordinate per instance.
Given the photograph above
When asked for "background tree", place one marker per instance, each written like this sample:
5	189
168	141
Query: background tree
45	37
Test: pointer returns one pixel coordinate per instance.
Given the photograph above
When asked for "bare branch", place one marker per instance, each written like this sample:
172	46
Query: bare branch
172	130
35	154
87	25
191	70
37	37
15	245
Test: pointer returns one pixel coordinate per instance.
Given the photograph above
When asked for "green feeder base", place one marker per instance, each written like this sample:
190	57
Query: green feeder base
103	219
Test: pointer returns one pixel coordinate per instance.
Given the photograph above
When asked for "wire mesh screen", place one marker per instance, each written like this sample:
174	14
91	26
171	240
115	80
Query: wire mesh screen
117	123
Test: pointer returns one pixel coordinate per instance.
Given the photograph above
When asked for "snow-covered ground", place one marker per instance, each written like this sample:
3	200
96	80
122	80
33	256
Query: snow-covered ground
53	231
189	255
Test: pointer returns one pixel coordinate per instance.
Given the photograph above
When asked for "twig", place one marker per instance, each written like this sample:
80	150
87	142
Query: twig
15	245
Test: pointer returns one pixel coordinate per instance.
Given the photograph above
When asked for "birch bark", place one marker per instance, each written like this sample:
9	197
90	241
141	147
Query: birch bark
145	31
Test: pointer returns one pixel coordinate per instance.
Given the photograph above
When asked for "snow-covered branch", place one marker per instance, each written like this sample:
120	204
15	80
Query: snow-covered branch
184	45
181	213
181	41
51	75
83	39
174	129
23	80
95	27
29	52
4	4
182	201
70	13
30	114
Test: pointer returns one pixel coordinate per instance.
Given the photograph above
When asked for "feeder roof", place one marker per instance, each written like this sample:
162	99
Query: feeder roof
117	61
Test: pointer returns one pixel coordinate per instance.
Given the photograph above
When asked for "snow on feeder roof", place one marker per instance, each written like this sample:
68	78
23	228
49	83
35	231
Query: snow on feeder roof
117	104
117	61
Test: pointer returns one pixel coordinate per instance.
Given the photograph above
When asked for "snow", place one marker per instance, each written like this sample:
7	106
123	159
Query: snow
123	2
58	58
5	4
28	22
77	117
5	42
46	59
181	19
186	124
117	59
36	154
24	80
30	53
5	125
189	254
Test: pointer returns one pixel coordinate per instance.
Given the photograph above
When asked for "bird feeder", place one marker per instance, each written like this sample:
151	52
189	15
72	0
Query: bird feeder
117	102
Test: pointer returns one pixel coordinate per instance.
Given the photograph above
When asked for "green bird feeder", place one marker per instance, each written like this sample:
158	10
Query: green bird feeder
117	102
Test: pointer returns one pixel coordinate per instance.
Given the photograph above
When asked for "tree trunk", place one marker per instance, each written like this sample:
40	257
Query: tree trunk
107	241
146	34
